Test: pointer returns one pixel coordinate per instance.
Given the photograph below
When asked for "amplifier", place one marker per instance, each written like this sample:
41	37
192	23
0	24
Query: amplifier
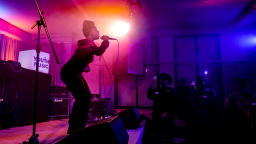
105	105
58	91
58	107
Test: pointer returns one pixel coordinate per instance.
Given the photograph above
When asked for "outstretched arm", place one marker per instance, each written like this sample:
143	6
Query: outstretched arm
99	51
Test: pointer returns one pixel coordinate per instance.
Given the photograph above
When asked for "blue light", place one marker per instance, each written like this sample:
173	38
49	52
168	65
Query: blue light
205	72
247	41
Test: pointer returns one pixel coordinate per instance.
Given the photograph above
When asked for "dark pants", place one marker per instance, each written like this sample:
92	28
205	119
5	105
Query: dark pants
237	130
80	91
161	126
202	127
253	131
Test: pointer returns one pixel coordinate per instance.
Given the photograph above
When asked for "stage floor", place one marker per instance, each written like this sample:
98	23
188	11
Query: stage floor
49	132
52	131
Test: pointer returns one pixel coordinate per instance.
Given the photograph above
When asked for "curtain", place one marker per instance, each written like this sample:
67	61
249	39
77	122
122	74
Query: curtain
10	46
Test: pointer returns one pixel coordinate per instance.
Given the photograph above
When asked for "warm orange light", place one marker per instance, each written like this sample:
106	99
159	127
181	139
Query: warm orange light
121	28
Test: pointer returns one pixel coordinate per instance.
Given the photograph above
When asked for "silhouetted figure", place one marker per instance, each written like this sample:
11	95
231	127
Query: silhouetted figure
203	101
237	126
182	100
252	115
71	74
164	99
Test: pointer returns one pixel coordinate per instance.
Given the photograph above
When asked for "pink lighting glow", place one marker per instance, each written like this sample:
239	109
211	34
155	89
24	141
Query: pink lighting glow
120	28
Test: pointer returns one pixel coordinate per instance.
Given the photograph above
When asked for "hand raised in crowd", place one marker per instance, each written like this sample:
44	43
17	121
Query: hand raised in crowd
153	84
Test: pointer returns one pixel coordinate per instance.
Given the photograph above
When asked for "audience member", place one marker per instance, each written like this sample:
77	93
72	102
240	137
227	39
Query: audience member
164	99
236	103
182	100
252	114
203	101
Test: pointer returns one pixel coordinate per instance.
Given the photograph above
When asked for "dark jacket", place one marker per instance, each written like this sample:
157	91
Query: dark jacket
84	54
164	100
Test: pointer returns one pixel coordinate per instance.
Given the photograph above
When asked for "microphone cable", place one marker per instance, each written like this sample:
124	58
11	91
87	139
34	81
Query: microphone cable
116	67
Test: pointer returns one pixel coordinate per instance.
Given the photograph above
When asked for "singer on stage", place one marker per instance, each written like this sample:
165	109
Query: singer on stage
71	74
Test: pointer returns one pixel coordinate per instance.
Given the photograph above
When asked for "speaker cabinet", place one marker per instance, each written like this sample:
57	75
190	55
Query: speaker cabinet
111	131
130	60
59	91
22	101
58	107
130	118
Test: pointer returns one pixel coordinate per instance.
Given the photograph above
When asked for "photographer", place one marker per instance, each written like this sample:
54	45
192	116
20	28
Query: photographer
164	98
203	103
182	100
236	103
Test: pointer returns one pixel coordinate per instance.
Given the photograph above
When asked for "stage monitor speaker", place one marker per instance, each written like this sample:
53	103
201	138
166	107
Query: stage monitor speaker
130	118
110	131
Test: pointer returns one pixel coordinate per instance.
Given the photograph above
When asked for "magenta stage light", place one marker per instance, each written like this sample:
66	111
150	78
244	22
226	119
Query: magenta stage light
120	28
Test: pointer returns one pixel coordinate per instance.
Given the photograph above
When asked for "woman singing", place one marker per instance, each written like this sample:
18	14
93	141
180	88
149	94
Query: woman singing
71	74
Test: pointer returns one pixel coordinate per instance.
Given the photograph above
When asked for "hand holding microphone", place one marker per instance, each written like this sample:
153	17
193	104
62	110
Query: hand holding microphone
104	37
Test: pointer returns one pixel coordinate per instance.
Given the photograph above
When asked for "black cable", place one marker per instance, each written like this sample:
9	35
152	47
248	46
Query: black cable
1	99
104	82
116	69
4	67
103	75
127	5
1	110
16	92
18	77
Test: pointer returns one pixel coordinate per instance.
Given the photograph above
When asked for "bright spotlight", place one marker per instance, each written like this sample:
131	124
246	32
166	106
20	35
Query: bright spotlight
121	28
205	72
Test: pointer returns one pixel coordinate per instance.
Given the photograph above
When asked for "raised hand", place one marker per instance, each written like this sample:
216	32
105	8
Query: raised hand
153	84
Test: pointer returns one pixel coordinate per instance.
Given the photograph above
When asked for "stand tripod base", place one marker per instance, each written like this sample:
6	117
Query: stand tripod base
33	140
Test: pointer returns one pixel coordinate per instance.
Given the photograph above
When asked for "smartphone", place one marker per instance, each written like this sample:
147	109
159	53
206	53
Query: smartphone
155	79
193	83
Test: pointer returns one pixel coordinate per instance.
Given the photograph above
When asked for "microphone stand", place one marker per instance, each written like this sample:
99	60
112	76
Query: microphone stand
34	138
100	84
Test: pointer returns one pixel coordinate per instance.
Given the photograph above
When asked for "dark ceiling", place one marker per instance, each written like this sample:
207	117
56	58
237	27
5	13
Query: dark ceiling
64	17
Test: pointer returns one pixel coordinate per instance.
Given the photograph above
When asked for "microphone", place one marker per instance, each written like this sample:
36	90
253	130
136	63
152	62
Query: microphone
108	38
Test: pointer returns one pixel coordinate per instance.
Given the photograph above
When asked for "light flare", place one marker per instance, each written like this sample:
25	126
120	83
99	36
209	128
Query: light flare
120	28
